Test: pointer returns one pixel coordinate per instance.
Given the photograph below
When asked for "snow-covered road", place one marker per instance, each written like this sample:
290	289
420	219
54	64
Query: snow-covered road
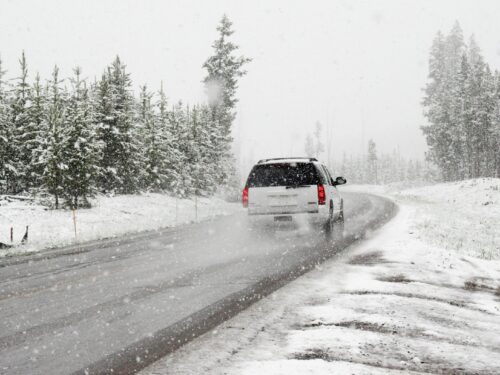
123	306
414	298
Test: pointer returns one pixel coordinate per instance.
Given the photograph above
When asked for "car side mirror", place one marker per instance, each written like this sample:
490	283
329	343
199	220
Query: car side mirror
339	181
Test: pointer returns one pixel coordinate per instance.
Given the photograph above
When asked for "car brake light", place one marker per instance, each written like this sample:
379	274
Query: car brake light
321	194
244	198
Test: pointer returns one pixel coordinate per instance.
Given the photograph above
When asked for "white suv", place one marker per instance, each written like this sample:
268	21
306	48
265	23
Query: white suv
293	189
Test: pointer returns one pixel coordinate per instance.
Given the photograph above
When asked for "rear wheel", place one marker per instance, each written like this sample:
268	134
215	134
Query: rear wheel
339	226
329	226
334	228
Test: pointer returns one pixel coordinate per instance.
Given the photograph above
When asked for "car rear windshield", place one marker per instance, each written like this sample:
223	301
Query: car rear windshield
282	174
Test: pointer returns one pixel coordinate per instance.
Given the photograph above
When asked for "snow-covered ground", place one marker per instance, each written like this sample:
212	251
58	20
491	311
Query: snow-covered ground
462	216
108	217
416	297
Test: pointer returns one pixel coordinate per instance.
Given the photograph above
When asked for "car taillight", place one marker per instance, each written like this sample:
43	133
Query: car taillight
244	198
321	194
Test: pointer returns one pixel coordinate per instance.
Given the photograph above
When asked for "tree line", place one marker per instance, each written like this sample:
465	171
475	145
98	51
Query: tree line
384	168
462	106
370	167
72	138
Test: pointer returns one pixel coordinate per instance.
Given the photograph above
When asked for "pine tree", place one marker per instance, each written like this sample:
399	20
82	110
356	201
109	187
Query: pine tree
223	71
81	151
319	147
462	109
38	132
452	105
211	138
5	139
309	146
202	151
170	163
194	151
105	133
487	107
435	131
180	137
444	104
119	163
153	157
495	129
52	155
21	136
372	162
466	115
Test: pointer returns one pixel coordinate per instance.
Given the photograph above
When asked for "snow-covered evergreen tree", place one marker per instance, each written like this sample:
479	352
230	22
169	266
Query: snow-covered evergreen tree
115	103
319	147
21	134
170	155
52	156
193	151
152	139
180	138
211	137
314	145
4	134
71	143
201	152
224	69
460	105
309	146
36	113
372	161
495	130
81	150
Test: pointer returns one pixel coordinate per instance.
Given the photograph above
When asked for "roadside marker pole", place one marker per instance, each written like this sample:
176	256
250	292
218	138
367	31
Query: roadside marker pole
74	223
11	234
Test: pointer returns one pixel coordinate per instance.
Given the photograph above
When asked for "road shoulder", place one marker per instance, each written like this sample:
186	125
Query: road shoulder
111	218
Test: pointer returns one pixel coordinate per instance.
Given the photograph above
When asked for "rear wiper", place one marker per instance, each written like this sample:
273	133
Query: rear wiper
296	186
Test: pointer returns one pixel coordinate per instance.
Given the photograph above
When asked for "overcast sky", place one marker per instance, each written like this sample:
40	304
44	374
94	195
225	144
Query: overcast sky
355	66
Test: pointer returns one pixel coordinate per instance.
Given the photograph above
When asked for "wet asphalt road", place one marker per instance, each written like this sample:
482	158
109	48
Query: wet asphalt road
117	308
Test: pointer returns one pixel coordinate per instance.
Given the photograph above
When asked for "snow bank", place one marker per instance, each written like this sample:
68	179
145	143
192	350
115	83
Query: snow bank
108	217
463	216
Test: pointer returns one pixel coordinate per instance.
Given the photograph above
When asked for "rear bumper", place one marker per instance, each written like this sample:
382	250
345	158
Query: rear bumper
281	212
287	210
309	218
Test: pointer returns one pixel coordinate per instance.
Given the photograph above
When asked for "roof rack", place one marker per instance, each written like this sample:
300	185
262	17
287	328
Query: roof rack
300	157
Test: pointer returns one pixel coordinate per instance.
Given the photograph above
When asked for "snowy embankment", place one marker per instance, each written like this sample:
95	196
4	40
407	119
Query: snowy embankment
461	216
416	297
108	217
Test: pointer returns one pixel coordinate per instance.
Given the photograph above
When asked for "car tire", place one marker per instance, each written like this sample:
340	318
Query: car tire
329	226
334	228
338	226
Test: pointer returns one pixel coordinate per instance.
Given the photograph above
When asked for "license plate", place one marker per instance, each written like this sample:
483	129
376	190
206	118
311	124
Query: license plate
282	218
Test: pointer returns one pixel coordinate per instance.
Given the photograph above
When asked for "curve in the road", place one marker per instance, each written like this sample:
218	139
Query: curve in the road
119	308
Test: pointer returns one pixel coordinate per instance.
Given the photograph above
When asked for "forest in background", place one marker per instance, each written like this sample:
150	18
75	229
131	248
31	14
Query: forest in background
72	138
372	167
462	106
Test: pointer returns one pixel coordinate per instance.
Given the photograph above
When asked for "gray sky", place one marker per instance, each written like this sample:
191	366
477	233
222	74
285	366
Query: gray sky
356	66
